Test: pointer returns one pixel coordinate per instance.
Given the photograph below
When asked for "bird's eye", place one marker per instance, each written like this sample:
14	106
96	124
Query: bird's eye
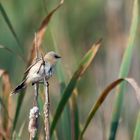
57	56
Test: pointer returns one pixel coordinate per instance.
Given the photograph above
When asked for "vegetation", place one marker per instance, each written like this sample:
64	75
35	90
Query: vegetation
70	28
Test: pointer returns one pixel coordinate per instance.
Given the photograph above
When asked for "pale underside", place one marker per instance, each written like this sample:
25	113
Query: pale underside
38	72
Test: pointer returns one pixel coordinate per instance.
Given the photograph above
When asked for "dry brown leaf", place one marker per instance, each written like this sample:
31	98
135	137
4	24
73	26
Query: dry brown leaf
6	100
133	83
103	96
40	33
6	82
2	135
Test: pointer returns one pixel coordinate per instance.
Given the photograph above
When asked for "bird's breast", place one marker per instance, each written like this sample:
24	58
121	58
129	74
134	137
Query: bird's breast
45	70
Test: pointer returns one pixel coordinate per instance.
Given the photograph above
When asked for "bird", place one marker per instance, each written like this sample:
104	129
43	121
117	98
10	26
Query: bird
40	69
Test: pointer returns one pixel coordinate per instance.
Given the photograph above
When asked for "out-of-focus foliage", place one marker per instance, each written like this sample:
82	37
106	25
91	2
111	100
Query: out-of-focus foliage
124	69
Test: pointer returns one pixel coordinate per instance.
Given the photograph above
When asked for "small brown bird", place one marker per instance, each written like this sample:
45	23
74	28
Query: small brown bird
38	71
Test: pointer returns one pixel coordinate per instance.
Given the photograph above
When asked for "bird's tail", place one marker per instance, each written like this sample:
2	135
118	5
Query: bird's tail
19	87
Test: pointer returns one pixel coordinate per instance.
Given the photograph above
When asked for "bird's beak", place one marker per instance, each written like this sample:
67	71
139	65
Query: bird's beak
57	56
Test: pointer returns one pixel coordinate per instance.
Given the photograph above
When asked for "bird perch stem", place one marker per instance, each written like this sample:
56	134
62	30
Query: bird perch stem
34	115
36	86
34	112
46	110
33	122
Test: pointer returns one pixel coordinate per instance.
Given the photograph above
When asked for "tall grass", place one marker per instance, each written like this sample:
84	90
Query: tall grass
124	70
137	129
69	117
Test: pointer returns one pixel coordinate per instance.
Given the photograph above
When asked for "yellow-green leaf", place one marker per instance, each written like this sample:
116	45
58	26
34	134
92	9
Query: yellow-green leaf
103	96
85	63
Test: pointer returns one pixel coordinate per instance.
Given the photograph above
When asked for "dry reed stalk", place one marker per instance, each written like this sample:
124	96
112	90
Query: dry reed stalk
34	112
34	115
46	110
36	87
33	123
6	88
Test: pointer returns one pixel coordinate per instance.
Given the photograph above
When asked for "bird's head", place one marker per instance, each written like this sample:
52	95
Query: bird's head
51	57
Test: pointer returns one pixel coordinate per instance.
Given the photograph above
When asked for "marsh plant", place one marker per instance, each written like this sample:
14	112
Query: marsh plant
39	111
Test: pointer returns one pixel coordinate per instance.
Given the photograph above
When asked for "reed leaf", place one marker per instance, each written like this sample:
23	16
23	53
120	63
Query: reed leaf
12	52
7	20
85	63
5	100
41	31
124	72
75	125
103	96
137	129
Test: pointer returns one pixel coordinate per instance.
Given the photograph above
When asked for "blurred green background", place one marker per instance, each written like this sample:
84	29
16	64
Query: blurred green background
72	30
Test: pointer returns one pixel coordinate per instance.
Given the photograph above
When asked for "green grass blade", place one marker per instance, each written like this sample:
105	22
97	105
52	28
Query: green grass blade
65	131
86	61
21	129
18	108
98	104
137	129
103	96
75	126
11	51
124	72
3	12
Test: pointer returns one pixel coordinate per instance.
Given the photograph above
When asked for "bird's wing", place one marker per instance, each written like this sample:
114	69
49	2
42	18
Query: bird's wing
33	73
28	69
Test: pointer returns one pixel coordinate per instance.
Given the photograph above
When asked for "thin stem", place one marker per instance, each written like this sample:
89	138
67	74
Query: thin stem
34	112
46	110
31	138
36	87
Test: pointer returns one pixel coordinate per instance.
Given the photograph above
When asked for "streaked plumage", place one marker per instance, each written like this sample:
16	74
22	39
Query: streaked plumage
38	71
